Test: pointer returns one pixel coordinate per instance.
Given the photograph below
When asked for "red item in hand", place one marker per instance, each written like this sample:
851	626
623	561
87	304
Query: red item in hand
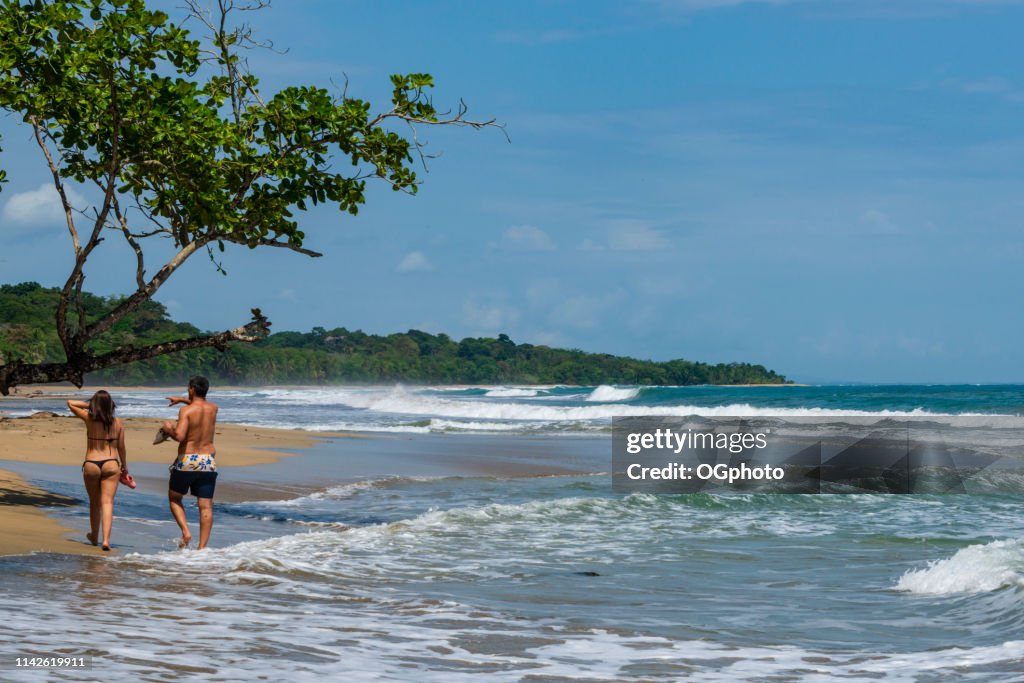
127	479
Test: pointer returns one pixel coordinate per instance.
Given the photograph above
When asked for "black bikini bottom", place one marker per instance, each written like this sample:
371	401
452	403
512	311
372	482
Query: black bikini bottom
98	463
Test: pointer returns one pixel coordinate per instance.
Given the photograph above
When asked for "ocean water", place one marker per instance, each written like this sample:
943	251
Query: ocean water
556	409
415	556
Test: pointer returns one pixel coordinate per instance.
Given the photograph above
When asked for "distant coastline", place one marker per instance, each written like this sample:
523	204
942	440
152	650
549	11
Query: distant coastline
64	389
341	356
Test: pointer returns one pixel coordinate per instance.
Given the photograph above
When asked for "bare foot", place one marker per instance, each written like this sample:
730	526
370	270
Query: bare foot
92	537
106	547
185	540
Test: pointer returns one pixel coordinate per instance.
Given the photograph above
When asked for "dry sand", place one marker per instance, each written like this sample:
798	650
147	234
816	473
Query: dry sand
59	440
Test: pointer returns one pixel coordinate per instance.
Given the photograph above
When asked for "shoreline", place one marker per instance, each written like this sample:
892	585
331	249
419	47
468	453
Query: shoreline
25	523
65	390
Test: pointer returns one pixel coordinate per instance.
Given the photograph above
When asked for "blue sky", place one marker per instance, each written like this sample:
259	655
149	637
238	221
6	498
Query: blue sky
830	188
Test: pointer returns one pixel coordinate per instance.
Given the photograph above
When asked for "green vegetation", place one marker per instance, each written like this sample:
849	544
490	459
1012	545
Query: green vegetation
173	131
336	356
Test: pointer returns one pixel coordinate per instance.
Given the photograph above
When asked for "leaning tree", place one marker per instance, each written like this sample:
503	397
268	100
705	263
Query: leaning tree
180	144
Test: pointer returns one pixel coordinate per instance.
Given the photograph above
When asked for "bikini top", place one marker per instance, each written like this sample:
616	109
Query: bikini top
108	439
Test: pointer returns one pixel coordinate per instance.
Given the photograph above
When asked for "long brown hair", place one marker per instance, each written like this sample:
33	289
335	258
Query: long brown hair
101	409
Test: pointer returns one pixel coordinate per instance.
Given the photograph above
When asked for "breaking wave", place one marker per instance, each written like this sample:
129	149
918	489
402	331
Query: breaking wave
606	393
974	569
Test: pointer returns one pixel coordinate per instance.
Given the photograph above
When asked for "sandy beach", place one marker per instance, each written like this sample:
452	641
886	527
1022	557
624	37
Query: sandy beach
51	439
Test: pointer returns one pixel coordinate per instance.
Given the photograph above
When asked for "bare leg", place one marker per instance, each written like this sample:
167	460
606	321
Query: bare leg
178	511
108	487
91	476
205	520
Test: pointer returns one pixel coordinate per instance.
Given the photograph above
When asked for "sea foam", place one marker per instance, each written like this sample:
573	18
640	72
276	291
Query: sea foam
512	392
606	393
974	569
401	401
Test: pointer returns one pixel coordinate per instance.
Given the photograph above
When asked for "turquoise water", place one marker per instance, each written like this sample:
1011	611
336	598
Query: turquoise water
423	567
954	399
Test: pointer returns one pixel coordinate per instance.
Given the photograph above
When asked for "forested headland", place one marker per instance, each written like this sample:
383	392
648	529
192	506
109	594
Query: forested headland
335	356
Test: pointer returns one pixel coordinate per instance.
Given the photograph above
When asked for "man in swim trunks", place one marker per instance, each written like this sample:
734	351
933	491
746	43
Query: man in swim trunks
195	468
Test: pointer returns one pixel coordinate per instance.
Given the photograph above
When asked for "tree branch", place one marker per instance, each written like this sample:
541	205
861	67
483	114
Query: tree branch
76	340
75	369
62	307
59	184
264	242
112	168
144	293
140	260
457	120
148	215
73	344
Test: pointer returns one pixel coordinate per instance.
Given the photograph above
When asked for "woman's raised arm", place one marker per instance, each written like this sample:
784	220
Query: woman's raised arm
79	408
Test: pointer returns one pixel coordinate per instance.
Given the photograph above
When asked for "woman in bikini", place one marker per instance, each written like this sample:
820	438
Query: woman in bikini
105	460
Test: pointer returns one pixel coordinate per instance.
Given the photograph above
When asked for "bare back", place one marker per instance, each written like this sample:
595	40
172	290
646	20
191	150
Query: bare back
101	443
200	420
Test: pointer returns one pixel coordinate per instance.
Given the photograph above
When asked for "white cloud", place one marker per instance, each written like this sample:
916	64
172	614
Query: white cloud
879	222
527	238
488	319
414	261
662	285
546	338
993	86
838	341
578	311
584	311
634	236
543	291
629	235
39	208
